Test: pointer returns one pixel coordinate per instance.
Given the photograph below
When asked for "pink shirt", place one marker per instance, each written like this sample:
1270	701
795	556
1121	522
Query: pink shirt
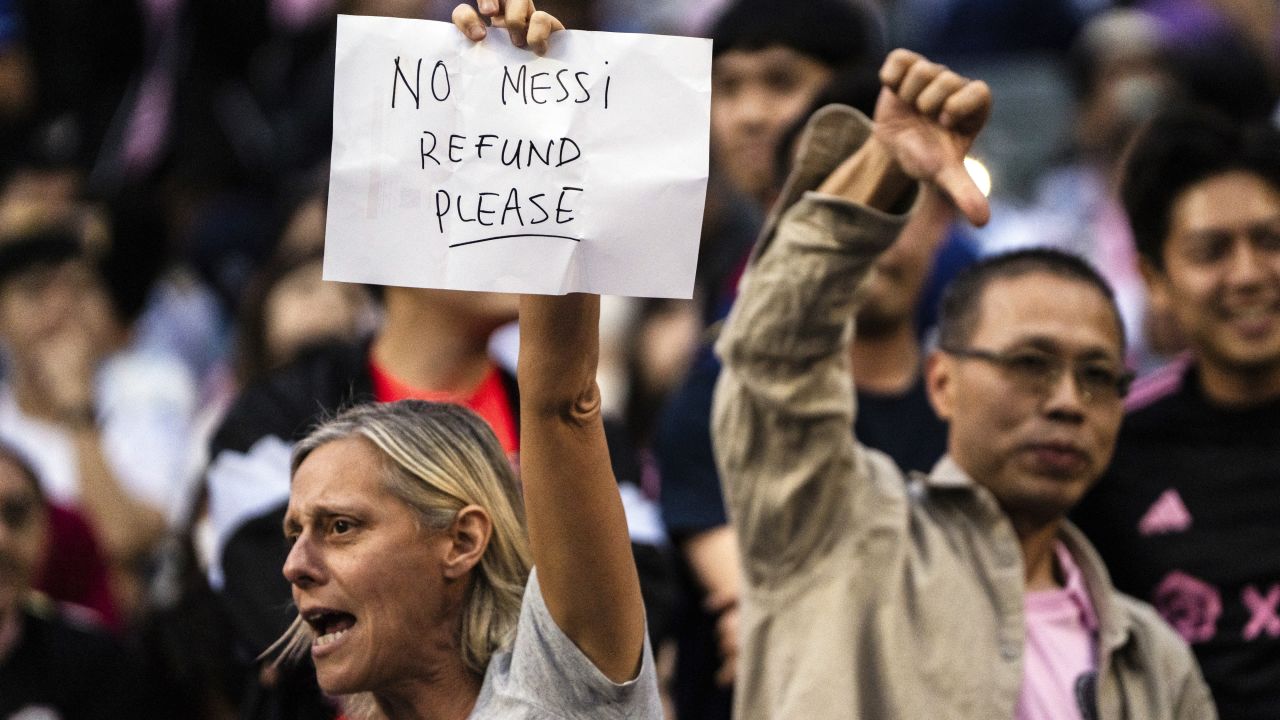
1062	631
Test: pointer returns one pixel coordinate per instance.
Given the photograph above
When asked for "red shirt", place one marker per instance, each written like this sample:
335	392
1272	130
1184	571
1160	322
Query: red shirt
489	400
75	568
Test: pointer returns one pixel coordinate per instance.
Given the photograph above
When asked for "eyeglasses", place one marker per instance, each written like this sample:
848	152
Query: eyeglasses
15	513
1039	372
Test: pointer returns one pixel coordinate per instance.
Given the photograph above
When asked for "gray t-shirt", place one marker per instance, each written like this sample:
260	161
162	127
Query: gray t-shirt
544	675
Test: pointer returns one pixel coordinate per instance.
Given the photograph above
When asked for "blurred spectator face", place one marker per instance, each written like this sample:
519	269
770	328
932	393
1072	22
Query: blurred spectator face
756	95
1035	440
1128	93
893	290
1129	82
46	303
303	309
22	534
666	340
1222	271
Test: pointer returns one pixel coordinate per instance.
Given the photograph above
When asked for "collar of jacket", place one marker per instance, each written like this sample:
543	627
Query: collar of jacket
1113	622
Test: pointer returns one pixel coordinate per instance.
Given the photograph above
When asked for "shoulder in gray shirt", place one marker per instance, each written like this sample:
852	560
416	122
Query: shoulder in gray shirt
544	675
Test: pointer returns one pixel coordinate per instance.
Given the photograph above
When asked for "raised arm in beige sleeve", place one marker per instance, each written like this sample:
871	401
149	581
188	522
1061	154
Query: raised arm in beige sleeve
796	482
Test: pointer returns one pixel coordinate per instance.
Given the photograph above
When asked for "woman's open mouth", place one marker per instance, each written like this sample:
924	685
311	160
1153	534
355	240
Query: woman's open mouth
329	626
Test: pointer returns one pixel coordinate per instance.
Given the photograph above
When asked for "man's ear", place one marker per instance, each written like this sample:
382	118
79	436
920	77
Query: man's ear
939	370
468	539
1157	283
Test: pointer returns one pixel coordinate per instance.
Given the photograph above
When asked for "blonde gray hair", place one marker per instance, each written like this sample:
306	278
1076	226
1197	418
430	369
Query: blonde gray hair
439	459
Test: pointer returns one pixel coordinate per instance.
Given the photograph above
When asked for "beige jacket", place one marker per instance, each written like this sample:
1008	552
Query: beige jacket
868	595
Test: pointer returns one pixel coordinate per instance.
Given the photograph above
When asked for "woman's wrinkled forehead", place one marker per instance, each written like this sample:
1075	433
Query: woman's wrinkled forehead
341	471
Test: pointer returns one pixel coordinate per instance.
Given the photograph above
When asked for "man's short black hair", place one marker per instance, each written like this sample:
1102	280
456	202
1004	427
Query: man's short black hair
958	315
1179	149
834	32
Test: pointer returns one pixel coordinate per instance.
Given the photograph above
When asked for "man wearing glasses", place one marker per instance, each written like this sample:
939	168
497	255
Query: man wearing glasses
964	593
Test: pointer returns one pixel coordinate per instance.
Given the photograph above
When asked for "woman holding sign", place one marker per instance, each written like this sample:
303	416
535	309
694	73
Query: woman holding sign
410	564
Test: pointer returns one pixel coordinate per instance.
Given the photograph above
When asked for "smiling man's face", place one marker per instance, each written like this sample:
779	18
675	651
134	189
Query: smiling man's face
1221	275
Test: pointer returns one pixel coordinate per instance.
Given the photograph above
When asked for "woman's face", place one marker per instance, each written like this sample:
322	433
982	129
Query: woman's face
365	577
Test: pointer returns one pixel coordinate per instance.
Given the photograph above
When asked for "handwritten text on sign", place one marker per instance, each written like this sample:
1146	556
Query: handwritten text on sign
481	166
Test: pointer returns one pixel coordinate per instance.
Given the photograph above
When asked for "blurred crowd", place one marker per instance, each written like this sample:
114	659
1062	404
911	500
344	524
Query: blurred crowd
166	333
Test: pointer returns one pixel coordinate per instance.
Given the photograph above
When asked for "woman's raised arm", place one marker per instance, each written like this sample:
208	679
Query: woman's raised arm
577	529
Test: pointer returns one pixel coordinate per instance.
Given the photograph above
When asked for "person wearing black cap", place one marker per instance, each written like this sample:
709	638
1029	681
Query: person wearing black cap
770	60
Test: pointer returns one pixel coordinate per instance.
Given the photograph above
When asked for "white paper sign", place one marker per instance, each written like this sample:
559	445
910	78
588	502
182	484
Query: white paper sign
481	166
